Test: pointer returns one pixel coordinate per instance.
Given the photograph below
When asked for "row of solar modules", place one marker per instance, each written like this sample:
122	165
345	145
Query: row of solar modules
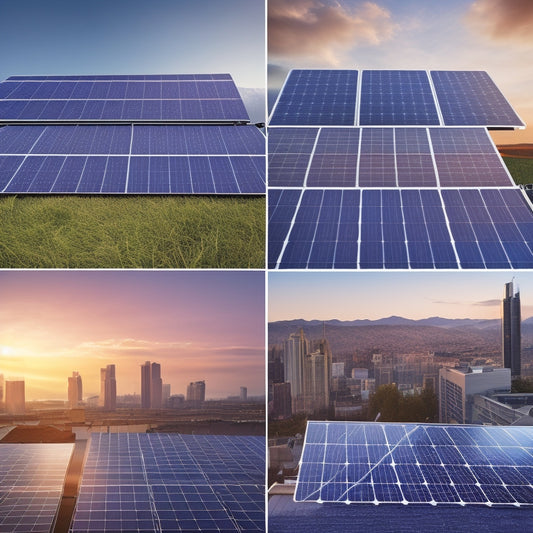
408	463
392	98
31	485
118	77
85	98
384	157
399	229
155	482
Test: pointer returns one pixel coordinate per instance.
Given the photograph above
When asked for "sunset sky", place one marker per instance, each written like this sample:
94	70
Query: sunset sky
373	295
491	35
197	325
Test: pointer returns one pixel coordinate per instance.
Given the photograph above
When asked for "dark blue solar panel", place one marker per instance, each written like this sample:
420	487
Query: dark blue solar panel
100	98
357	462
289	152
396	98
317	98
377	163
414	164
140	482
470	98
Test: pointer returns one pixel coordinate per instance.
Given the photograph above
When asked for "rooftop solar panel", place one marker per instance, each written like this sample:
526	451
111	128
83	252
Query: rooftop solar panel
171	482
410	463
31	485
400	229
392	98
139	159
194	98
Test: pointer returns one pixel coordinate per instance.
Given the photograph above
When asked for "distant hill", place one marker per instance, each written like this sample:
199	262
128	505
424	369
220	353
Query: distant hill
523	150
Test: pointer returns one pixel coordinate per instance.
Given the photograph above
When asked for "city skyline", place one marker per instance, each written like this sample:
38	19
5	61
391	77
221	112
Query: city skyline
198	325
375	295
491	35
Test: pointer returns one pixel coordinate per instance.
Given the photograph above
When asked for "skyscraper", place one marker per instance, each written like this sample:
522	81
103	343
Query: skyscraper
243	394
166	393
196	392
101	398
110	399
15	397
151	386
75	391
296	347
511	335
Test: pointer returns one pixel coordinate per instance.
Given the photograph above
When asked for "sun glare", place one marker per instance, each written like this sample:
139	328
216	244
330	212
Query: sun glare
7	351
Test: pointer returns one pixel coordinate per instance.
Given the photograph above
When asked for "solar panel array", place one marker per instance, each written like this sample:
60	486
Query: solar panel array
31	485
171	482
132	159
384	157
422	464
392	98
128	98
385	178
170	134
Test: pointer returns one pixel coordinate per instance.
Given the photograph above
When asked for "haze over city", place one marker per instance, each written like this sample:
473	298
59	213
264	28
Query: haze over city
197	325
491	35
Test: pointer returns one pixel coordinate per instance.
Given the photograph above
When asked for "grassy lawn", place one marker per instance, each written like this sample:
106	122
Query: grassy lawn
521	169
132	232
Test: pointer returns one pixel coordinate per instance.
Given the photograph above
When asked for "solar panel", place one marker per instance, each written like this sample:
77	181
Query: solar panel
317	98
137	159
410	463
31	485
205	98
171	482
396	98
400	229
392	98
384	157
472	98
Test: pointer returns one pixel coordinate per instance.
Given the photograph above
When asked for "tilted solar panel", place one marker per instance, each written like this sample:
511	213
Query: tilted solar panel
411	463
31	485
194	98
137	159
171	482
400	229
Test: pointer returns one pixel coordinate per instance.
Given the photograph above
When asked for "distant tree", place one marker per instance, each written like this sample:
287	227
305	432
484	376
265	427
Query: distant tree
386	400
522	385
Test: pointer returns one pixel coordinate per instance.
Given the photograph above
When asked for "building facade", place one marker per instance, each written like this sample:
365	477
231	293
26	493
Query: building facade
15	397
75	390
511	332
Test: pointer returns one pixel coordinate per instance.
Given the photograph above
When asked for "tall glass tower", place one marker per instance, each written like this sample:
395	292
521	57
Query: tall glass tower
511	336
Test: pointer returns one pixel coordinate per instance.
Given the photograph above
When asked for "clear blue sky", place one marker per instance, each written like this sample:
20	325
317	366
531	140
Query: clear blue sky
373	295
42	37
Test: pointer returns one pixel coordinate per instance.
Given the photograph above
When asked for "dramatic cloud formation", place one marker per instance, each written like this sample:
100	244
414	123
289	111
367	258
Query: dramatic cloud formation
504	19
320	30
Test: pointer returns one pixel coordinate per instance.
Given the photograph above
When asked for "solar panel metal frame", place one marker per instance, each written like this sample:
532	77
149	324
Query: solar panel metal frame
420	464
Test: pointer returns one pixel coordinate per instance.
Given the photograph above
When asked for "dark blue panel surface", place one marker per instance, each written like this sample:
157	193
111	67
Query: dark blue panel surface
396	98
317	98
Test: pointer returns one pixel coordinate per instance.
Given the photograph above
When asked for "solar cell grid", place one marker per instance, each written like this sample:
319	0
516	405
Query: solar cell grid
408	469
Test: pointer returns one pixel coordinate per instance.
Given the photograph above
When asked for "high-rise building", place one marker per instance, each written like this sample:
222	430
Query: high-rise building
15	397
101	398
458	386
244	394
1	388
511	335
196	392
151	386
337	370
296	347
281	400
166	393
110	388
75	390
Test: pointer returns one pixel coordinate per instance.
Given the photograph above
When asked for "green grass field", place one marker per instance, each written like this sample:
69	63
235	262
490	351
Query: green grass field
132	232
521	169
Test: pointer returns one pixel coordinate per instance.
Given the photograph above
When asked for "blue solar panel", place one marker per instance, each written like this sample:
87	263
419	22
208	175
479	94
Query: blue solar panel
31	481
118	159
469	98
396	98
102	98
408	463
317	98
156	482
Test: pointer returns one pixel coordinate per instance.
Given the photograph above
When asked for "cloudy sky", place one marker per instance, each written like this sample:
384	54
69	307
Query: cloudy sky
373	295
198	325
491	35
